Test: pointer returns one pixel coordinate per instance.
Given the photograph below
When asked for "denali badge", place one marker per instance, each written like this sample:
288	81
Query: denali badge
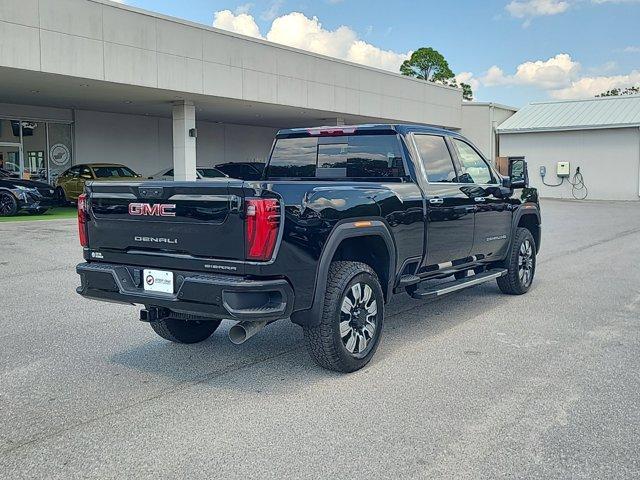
171	241
497	237
157	210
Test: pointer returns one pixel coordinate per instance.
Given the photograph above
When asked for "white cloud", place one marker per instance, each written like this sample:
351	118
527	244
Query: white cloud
536	8
244	8
556	72
468	78
273	11
631	49
242	23
591	86
299	31
560	76
530	9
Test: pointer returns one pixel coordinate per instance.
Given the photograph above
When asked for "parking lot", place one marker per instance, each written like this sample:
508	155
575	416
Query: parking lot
478	384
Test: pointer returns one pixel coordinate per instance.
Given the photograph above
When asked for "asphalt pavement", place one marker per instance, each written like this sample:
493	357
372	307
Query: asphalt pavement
474	385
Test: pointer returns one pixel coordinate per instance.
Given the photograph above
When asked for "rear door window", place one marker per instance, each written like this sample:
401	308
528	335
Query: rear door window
355	156
436	158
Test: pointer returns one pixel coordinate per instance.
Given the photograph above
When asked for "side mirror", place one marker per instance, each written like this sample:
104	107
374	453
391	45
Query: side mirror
518	175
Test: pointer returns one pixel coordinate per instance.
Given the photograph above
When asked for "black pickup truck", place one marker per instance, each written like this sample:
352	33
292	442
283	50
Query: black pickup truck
342	219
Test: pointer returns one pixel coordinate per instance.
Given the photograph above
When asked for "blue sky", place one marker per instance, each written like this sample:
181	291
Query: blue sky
512	51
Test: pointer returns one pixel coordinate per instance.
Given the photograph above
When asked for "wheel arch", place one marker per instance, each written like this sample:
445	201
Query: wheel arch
367	241
528	216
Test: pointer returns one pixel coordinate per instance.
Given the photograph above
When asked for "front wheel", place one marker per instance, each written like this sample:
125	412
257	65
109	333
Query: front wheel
521	264
351	321
185	331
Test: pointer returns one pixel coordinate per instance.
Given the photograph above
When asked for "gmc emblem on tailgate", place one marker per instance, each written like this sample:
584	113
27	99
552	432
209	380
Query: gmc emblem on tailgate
157	210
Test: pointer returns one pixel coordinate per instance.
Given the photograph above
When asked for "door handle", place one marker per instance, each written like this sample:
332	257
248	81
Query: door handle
436	201
479	199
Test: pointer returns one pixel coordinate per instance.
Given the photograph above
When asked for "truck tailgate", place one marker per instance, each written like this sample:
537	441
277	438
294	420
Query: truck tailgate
195	219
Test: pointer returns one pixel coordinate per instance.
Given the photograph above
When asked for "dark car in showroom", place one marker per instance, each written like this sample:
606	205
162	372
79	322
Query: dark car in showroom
18	195
242	170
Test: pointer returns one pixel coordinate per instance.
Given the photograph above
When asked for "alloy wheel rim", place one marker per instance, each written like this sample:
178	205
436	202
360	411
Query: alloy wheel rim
5	204
525	263
358	319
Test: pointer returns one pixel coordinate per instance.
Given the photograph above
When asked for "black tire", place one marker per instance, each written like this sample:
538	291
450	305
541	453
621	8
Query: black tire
185	331
520	265
355	286
8	204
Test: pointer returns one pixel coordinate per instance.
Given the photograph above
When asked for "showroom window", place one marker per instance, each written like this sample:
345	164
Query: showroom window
36	150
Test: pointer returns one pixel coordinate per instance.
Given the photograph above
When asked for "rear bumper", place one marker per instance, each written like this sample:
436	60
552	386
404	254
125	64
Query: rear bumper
208	295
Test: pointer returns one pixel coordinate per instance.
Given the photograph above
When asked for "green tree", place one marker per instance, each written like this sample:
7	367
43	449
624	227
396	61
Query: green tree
614	92
428	64
467	92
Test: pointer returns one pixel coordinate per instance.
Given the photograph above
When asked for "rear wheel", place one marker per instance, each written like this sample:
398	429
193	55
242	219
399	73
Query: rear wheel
8	204
352	318
521	264
185	331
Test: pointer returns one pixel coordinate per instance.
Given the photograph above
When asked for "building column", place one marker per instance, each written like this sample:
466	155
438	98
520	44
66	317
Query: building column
184	146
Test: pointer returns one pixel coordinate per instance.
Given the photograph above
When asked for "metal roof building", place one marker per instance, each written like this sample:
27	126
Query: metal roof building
605	112
601	136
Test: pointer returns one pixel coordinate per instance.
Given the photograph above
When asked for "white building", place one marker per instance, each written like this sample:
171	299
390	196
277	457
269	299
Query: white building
601	136
480	121
95	81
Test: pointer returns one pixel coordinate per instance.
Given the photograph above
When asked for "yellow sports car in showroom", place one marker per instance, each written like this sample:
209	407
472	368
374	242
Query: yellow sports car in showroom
70	183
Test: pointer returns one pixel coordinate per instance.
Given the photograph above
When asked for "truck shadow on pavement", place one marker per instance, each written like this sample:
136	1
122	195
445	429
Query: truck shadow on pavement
280	347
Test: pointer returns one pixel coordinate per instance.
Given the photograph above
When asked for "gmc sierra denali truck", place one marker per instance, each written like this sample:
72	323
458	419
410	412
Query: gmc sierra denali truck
342	219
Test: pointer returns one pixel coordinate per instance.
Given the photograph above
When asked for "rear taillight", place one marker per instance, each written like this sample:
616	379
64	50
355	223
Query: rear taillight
262	223
82	220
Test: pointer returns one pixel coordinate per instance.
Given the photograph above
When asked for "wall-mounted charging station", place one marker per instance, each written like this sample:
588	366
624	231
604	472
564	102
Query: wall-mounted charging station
563	169
563	172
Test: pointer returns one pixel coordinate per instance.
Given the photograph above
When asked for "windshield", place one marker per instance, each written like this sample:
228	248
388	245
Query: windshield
210	173
116	171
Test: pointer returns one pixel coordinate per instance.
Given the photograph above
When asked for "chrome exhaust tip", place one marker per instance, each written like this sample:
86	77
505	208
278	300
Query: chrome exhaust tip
243	331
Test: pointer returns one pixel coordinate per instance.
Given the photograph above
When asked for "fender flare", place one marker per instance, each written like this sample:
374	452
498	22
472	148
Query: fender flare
343	231
525	210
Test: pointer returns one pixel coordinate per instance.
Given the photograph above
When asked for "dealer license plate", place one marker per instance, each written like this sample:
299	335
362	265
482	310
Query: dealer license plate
158	281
